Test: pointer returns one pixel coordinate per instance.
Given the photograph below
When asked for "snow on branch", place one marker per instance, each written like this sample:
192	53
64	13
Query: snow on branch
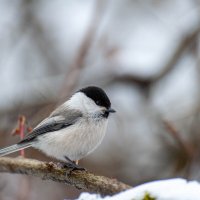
169	189
49	171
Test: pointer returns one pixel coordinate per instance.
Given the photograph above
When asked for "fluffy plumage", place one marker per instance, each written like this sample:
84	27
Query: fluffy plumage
73	130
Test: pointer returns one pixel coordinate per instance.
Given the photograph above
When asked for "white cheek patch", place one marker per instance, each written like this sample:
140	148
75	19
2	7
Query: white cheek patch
91	106
82	102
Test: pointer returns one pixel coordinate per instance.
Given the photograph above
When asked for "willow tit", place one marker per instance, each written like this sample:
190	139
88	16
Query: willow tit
73	130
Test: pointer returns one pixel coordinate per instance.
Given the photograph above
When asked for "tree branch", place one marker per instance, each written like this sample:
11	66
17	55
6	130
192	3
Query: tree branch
168	66
77	178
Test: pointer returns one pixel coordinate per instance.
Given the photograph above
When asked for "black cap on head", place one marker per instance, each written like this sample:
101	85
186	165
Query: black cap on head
97	95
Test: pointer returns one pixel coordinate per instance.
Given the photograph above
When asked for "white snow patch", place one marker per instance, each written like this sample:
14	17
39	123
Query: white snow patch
171	189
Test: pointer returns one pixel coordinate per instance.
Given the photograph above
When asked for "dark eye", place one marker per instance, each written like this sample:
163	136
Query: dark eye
98	103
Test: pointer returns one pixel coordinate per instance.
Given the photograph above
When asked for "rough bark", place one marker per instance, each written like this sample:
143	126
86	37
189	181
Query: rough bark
49	171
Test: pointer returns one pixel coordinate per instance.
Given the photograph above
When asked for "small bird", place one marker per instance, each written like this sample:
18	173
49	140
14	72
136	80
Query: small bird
73	130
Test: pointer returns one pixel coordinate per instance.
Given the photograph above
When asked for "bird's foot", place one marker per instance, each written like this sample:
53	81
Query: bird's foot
69	166
73	166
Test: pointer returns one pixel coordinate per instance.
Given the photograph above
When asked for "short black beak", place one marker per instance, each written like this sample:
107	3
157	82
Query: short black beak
110	110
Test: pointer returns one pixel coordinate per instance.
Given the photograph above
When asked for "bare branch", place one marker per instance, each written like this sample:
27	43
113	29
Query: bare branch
177	54
47	171
187	149
75	68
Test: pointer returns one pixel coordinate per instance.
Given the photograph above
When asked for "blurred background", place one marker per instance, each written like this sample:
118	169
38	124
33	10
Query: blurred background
144	54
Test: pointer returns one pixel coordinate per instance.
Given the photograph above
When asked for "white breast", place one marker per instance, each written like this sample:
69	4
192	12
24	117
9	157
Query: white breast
75	141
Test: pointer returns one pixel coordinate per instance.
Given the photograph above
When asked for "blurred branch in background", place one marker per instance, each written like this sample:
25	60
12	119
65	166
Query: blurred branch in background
40	37
44	45
147	82
74	71
144	54
185	152
186	148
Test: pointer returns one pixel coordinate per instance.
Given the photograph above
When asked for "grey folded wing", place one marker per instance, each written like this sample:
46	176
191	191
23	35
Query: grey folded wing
53	123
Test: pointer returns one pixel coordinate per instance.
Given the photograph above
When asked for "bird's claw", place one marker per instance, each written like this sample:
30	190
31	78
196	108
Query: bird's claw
72	166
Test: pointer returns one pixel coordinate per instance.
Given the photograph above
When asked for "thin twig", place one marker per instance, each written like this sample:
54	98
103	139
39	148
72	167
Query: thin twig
21	129
176	135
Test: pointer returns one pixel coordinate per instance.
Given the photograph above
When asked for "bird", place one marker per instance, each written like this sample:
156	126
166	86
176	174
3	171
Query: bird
73	130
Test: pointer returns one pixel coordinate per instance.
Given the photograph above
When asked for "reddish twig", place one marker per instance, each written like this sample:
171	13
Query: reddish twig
20	130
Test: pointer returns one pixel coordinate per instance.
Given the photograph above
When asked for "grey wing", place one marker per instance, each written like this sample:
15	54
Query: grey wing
53	123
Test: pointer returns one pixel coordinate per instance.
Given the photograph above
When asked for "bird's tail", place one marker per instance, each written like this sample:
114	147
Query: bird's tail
14	148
